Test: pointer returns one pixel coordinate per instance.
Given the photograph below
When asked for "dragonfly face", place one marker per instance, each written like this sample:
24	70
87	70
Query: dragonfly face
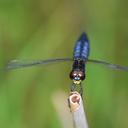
77	76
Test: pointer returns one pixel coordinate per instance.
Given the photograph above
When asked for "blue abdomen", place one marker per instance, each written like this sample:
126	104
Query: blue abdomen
81	50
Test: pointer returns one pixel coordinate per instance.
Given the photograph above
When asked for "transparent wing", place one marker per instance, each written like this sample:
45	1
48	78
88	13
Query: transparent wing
113	66
15	64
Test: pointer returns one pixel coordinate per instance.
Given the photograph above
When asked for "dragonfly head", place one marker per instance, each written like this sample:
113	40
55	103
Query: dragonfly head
77	76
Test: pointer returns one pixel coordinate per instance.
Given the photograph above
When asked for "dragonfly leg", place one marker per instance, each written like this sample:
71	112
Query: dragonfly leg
73	87
81	90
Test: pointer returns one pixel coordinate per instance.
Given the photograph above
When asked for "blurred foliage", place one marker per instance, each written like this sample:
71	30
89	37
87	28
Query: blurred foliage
32	30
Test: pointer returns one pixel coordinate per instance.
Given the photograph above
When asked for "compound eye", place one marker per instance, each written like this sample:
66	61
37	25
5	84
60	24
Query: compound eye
73	74
81	75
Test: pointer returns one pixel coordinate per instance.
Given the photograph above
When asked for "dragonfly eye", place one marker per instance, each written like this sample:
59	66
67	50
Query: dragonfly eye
71	75
77	75
81	75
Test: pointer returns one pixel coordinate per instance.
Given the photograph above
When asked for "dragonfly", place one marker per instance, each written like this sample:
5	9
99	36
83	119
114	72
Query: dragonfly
80	59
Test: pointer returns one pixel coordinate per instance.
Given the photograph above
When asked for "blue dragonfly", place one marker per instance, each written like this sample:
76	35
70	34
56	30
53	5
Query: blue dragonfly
80	59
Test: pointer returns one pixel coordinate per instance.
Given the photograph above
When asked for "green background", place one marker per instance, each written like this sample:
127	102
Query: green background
32	30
